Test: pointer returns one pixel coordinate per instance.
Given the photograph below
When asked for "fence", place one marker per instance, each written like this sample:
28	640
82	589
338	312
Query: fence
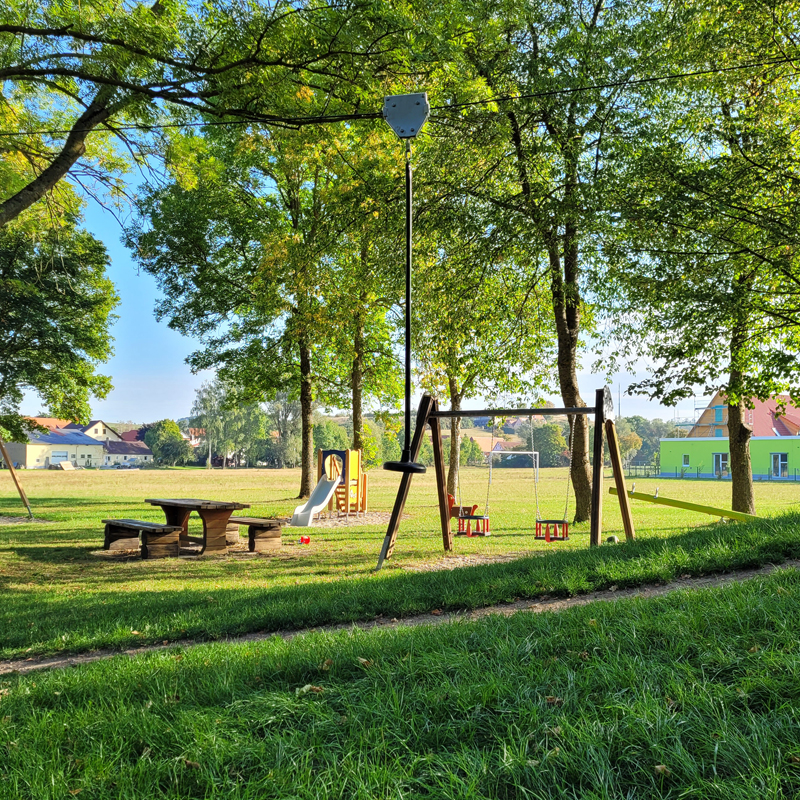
725	475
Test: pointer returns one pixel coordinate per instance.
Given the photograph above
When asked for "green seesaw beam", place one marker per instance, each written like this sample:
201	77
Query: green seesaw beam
666	501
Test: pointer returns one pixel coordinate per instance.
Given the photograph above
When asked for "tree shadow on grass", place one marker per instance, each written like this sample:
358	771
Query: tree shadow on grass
79	621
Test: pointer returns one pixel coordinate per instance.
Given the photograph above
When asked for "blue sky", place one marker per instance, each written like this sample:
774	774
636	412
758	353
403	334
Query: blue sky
151	379
148	370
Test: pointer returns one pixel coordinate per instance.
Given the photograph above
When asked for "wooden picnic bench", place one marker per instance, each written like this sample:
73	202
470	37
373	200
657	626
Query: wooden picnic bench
214	514
262	534
157	540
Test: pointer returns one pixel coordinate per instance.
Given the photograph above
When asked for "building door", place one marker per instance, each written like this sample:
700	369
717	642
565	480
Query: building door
780	465
720	464
57	456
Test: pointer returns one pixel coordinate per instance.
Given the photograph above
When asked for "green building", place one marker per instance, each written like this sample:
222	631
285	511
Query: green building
705	453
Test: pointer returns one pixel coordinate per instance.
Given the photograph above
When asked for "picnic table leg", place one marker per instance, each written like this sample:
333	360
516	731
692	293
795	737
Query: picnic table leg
179	516
215	526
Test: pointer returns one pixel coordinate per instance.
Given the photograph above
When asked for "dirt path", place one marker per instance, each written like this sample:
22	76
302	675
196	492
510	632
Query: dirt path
22	666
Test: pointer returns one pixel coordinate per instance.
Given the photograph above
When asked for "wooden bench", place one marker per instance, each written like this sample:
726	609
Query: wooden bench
158	540
262	534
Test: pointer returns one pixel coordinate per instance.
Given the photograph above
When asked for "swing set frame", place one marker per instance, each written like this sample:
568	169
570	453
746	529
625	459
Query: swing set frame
428	414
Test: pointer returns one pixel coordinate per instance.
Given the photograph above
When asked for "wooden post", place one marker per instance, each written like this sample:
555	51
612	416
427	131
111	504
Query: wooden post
13	472
619	480
425	408
441	483
596	512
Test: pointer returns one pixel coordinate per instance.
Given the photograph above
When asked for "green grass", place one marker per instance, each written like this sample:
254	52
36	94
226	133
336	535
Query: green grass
57	597
581	704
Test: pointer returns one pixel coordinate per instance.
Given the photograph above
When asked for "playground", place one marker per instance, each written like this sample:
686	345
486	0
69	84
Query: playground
92	601
478	708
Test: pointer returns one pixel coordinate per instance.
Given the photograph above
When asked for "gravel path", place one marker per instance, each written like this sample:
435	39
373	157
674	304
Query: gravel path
434	618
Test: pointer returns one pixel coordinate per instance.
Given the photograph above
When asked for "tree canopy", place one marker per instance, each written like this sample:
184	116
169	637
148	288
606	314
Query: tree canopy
56	309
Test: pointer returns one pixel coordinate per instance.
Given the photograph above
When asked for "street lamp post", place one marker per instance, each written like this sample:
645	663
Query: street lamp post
406	114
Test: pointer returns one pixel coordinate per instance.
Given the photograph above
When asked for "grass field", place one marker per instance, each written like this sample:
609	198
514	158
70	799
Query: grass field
692	695
57	597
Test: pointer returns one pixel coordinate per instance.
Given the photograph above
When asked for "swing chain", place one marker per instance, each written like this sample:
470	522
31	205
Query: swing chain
572	423
489	484
535	475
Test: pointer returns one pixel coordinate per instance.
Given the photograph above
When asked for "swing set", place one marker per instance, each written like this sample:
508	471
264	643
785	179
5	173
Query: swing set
428	414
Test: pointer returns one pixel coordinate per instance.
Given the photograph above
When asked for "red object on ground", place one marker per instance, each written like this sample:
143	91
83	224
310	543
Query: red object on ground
305	540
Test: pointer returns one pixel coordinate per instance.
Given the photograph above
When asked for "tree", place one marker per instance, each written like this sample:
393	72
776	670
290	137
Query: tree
207	415
175	451
231	428
362	281
70	70
541	154
56	310
285	414
480	329
471	453
629	445
549	442
712	213
165	440
329	436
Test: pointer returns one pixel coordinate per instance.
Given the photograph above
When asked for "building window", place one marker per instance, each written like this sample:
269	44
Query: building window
83	455
720	464
685	460
780	465
717	413
718	433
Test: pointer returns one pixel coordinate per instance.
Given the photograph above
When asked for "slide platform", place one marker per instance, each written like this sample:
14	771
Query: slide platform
317	502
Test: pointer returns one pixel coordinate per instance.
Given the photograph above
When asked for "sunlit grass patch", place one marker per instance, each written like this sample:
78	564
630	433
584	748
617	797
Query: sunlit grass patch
694	694
57	597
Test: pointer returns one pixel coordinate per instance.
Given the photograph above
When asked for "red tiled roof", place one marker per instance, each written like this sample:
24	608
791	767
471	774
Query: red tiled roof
765	417
130	436
51	423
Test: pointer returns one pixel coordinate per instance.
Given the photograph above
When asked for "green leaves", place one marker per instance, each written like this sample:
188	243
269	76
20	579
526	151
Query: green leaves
57	304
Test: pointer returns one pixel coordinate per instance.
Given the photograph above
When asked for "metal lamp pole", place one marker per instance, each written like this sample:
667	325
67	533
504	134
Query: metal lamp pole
406	114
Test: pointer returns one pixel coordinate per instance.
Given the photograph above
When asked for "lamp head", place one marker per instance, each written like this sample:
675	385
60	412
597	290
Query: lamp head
406	113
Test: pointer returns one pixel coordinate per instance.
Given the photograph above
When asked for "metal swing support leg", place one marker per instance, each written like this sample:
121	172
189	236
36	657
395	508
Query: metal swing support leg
426	407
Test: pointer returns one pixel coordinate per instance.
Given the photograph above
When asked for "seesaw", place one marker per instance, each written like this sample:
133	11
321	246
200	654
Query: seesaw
668	501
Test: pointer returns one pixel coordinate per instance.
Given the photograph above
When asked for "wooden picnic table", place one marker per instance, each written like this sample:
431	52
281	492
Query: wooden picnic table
215	515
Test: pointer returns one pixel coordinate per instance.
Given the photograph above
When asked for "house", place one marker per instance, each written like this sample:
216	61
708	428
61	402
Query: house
705	453
57	445
51	423
97	429
132	436
123	452
92	445
194	436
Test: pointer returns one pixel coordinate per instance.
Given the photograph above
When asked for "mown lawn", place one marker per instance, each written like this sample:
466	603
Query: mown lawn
694	694
57	597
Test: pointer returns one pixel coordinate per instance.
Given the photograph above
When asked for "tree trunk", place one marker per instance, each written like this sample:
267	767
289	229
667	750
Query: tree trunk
208	463
455	439
357	385
306	423
739	433
566	308
74	147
